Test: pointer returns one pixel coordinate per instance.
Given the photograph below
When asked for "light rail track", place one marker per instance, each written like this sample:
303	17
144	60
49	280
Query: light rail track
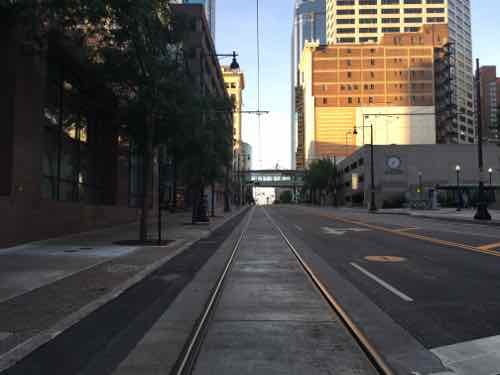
188	358
187	361
375	358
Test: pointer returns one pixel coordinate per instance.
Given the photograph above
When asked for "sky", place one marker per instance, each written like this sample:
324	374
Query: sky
236	31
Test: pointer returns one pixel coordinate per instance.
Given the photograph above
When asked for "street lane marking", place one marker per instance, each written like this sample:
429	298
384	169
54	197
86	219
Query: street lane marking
383	283
492	246
342	231
299	228
328	230
385	259
410	235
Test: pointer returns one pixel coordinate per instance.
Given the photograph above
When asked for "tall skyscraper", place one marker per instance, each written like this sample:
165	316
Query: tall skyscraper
209	10
365	21
309	25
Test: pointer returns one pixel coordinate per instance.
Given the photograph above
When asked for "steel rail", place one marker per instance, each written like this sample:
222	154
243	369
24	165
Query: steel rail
373	355
189	353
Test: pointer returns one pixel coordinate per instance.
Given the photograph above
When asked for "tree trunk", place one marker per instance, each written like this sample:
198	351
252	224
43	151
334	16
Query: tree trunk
147	177
174	185
227	205
194	203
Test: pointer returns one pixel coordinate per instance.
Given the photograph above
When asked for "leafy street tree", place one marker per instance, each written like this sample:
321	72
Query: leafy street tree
319	178
134	47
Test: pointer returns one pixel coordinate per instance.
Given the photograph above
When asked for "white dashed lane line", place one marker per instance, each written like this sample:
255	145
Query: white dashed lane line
383	283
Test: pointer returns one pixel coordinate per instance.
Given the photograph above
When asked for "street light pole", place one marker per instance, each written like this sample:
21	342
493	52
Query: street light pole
490	171
459	195
373	206
420	184
482	207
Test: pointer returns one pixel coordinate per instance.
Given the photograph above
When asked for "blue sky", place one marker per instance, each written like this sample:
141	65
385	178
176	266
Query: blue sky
236	30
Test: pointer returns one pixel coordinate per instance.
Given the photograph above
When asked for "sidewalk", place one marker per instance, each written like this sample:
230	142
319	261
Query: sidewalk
57	282
448	214
270	319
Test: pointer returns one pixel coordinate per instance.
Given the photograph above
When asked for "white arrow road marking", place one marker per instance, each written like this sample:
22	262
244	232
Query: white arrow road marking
342	231
383	283
328	230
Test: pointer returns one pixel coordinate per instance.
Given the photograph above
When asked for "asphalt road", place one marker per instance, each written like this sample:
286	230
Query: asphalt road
438	280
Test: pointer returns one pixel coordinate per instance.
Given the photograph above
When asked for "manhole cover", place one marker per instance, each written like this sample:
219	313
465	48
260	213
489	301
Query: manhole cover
85	248
71	251
385	259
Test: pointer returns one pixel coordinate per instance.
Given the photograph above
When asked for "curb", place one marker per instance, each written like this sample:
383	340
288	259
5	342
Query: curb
25	348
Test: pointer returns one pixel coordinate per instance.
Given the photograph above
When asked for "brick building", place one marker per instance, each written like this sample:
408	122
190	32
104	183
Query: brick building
204	68
62	167
65	167
489	84
389	85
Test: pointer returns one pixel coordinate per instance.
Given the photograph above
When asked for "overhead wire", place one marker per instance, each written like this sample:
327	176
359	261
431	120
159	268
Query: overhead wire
258	87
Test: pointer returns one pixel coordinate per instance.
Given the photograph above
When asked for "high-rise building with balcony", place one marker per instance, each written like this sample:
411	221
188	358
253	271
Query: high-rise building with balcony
365	21
309	25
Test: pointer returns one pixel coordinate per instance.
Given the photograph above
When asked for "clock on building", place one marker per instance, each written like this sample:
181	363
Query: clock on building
393	162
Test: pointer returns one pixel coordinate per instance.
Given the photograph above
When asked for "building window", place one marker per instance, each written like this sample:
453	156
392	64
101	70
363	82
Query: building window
70	168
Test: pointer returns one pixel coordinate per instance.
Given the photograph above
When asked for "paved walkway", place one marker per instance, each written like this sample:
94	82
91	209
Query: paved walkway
45	282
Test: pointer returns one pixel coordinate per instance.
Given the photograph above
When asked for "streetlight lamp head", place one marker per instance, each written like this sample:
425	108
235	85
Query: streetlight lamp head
355	131
420	174
234	64
457	168
490	170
